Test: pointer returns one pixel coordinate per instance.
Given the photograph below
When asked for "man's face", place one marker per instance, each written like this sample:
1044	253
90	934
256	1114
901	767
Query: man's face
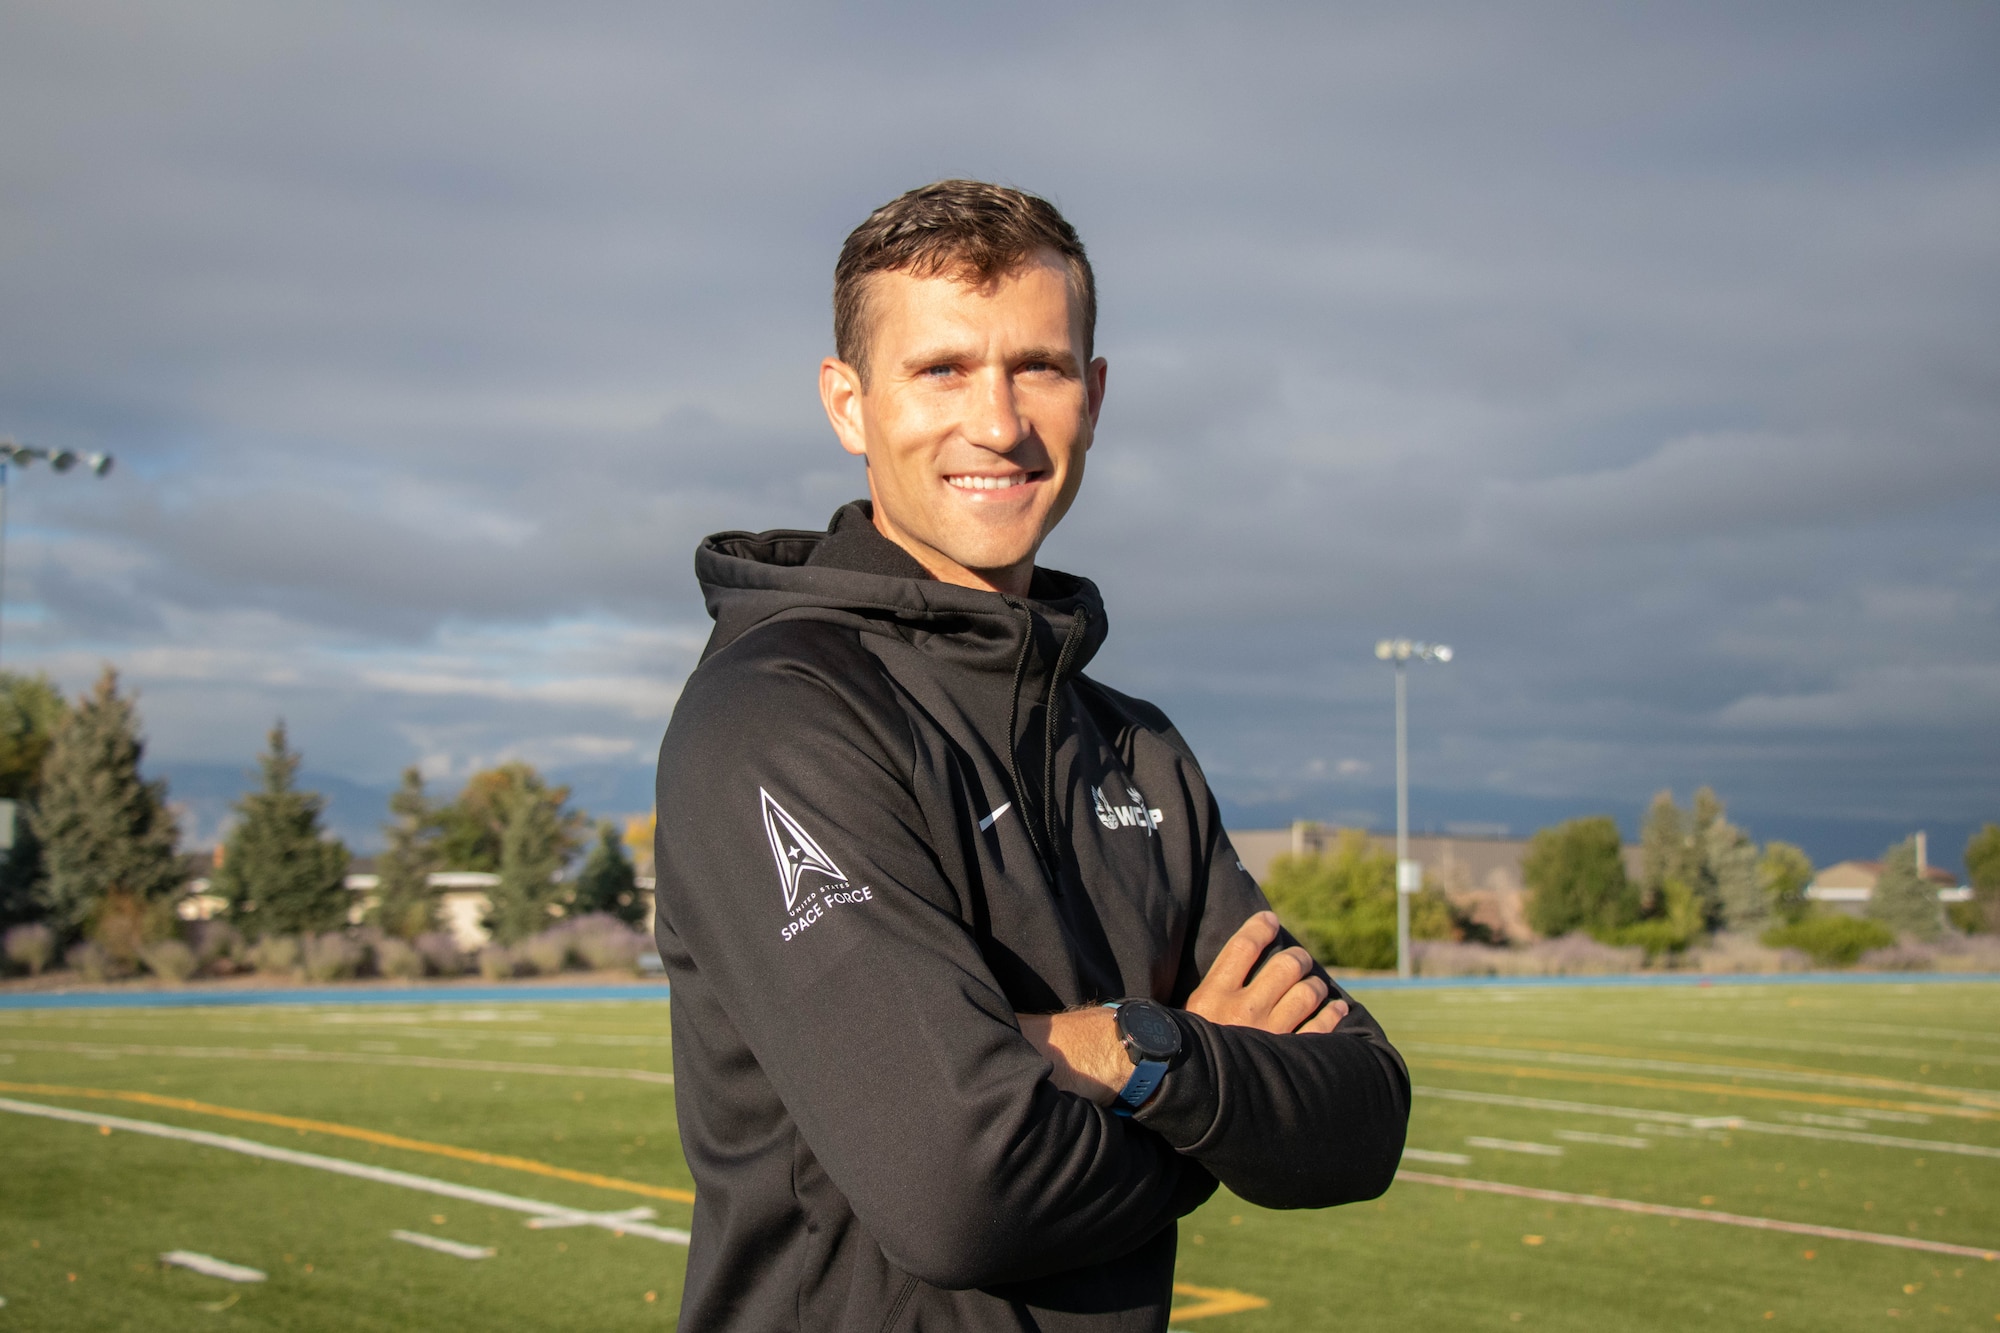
978	410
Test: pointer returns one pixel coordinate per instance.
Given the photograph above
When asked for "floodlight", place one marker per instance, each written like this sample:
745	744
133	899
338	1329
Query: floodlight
62	460
1385	649
99	464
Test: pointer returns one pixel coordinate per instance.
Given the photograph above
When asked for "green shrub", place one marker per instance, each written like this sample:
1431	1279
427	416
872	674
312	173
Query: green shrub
398	958
1341	904
30	947
1680	922
496	962
275	954
1832	940
1968	918
546	954
169	960
1575	874
92	960
332	956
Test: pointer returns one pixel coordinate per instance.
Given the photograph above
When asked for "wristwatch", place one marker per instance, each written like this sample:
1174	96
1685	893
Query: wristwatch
1151	1037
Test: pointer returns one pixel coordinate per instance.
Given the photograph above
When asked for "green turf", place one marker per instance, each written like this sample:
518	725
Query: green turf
1916	1062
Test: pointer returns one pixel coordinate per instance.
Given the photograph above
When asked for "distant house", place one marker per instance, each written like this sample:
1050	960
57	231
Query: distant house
1849	885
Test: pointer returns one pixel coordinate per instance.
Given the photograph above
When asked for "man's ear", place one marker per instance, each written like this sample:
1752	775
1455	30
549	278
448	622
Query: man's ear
1093	388
841	392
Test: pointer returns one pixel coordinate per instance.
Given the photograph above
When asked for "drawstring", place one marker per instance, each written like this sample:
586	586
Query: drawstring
1063	659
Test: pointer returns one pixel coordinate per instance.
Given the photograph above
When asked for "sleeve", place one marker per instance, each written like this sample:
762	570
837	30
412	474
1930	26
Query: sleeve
1285	1121
796	871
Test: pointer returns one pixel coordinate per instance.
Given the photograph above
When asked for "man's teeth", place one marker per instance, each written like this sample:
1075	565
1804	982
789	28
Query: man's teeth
987	483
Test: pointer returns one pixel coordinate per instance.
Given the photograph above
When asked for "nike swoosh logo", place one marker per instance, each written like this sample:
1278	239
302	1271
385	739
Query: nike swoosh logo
987	822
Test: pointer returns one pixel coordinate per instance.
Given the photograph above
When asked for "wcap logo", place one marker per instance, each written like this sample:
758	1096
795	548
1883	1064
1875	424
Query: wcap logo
793	849
1135	815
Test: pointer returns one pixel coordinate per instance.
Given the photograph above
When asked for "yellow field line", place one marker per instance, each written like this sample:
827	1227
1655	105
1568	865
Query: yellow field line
361	1135
1210	1300
1213	1301
1721	1089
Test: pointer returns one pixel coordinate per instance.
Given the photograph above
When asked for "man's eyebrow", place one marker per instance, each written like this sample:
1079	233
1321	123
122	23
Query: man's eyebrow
1055	356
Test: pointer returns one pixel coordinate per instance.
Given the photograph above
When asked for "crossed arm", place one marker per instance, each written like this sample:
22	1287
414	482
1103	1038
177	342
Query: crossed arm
1282	996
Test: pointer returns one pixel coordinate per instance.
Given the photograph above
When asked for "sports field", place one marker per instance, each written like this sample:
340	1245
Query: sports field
324	1145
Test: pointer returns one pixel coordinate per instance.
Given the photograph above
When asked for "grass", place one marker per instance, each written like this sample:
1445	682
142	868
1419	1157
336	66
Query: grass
1763	1067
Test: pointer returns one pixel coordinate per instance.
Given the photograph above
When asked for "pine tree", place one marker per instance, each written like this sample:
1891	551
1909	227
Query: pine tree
1663	852
531	855
608	883
31	709
107	836
1713	844
1903	900
412	852
280	873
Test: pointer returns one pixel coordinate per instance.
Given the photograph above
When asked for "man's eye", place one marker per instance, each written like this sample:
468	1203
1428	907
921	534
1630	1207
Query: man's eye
939	372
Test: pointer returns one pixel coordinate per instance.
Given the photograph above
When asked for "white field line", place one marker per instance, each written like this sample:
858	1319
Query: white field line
330	1024
209	1266
1827	1048
1436	1158
1855	1117
1700	1215
110	1050
1949	1034
1513	1145
1608	1140
1676	1118
581	1219
457	1249
338	1165
1755	1073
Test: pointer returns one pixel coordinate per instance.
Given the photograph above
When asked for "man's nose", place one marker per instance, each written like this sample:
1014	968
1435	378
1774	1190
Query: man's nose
995	418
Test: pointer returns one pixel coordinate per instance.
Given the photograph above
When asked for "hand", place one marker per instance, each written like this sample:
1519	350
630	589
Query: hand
1282	997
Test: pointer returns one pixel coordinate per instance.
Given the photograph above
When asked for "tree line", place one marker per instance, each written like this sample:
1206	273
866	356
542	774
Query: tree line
1698	875
96	856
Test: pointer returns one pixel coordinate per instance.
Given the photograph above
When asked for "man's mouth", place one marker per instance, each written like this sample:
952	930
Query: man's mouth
972	481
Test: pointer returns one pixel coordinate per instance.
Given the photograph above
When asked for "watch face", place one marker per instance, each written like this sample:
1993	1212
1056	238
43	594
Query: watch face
1150	1029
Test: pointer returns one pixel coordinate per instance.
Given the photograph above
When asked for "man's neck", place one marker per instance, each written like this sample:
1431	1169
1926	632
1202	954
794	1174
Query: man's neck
1014	580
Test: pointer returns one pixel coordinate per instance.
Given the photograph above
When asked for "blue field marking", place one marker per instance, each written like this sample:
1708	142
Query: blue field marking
1676	979
199	998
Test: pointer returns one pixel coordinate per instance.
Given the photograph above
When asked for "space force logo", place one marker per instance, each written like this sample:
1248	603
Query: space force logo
797	855
1135	815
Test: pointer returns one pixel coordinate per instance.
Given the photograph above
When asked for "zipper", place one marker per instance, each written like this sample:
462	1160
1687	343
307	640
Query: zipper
1043	838
1077	628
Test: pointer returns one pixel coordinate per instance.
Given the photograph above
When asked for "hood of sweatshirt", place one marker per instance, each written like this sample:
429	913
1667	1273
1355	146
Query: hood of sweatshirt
1007	656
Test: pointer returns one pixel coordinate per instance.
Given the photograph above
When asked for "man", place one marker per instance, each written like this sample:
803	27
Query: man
909	856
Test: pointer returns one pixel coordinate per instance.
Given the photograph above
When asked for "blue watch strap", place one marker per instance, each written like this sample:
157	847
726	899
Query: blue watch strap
1146	1076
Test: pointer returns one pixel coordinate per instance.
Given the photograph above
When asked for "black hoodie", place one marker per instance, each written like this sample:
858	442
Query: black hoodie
893	813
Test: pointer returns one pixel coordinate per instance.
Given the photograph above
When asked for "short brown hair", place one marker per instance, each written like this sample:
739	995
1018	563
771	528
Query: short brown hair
962	228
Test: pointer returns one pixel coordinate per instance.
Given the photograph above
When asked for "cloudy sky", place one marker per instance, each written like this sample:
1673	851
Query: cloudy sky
1647	356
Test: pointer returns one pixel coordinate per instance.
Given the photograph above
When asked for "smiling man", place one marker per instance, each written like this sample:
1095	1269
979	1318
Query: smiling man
972	998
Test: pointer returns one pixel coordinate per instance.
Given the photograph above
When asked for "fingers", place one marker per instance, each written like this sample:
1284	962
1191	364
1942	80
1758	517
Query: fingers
1327	1019
1296	1006
1284	970
1233	963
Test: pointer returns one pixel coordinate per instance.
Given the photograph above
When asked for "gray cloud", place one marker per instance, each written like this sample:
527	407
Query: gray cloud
1644	353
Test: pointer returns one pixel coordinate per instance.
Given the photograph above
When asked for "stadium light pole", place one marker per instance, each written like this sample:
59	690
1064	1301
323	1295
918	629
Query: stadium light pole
59	460
1409	875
